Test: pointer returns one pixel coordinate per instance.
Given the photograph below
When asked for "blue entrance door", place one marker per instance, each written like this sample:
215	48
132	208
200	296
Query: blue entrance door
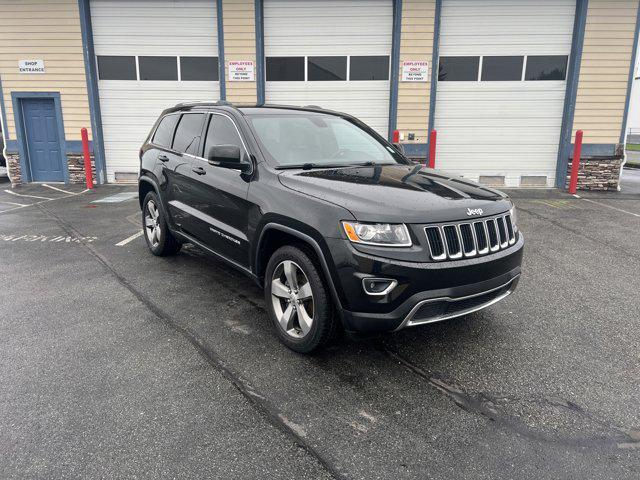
43	142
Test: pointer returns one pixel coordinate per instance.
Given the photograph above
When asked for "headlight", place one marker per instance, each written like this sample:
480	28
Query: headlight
514	218
382	234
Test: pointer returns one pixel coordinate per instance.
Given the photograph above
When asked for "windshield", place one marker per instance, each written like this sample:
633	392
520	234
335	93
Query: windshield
317	140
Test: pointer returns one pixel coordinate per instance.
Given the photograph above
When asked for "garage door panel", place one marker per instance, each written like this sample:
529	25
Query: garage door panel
507	135
331	28
502	128
129	108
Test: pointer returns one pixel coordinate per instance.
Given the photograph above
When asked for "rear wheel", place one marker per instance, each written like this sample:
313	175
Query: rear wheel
159	239
298	301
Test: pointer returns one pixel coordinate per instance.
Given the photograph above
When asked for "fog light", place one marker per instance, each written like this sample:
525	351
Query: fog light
378	286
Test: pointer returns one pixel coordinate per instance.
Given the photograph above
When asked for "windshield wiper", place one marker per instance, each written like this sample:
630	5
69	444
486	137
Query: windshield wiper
309	166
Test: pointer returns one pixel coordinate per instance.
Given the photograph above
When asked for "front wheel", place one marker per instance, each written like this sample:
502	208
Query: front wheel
298	301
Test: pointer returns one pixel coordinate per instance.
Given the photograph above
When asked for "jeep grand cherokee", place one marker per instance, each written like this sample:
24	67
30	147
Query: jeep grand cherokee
330	219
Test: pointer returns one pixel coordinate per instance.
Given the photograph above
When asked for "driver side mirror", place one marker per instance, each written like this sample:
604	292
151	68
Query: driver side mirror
227	156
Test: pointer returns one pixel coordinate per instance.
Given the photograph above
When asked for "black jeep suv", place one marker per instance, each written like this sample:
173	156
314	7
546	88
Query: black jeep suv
331	219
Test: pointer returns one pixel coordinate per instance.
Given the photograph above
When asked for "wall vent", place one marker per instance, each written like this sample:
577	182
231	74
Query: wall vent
533	181
492	180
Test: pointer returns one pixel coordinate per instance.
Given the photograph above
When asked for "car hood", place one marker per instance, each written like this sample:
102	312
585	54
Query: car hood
398	193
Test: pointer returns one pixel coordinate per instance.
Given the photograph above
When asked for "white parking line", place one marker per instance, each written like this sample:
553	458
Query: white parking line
21	205
24	195
14	203
609	206
58	189
129	239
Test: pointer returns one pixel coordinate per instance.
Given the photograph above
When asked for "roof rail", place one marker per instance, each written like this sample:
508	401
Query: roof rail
219	103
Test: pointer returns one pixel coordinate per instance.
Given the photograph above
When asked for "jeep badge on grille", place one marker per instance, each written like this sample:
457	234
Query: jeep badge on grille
475	211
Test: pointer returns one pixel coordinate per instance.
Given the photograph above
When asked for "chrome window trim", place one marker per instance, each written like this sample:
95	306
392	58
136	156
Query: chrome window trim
205	113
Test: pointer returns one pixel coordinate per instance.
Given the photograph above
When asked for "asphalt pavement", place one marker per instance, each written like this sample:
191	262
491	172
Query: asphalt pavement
115	363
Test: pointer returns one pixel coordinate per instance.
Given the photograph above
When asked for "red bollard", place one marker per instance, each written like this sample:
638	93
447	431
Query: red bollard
432	149
396	136
575	164
87	157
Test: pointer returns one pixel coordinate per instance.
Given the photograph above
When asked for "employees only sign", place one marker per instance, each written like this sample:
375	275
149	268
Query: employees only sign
415	71
241	71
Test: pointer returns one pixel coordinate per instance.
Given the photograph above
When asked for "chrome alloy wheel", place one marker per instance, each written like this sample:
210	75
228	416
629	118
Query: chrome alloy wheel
292	299
152	223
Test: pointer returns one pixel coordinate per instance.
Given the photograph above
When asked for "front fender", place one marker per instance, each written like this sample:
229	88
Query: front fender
311	238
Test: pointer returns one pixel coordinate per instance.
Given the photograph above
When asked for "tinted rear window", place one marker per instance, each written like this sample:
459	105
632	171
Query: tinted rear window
188	133
164	132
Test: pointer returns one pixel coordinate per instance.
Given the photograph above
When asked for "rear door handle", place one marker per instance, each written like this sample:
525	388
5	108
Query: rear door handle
163	158
199	170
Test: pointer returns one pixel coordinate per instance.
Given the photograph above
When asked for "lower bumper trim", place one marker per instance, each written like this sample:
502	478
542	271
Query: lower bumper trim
444	308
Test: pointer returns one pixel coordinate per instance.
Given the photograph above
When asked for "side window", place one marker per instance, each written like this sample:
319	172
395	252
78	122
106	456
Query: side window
221	131
188	133
164	132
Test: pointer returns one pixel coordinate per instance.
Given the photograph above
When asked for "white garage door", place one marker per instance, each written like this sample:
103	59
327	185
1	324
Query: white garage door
334	54
151	54
501	86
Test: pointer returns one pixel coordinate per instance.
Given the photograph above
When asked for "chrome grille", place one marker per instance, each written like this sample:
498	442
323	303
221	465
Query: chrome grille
464	239
452	241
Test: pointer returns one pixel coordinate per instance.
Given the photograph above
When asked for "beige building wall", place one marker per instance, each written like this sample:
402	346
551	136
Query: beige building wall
604	71
47	30
416	43
238	18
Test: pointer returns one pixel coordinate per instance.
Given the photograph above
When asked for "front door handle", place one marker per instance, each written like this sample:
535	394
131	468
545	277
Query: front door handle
199	170
163	158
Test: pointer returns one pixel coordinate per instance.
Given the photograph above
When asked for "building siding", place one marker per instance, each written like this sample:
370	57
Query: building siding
47	30
416	43
239	44
604	69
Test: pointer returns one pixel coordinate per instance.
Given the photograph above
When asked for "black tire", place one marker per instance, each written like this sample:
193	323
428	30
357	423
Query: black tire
324	325
164	244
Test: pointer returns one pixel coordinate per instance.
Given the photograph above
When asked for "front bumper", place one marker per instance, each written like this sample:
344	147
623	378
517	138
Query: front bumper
426	292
